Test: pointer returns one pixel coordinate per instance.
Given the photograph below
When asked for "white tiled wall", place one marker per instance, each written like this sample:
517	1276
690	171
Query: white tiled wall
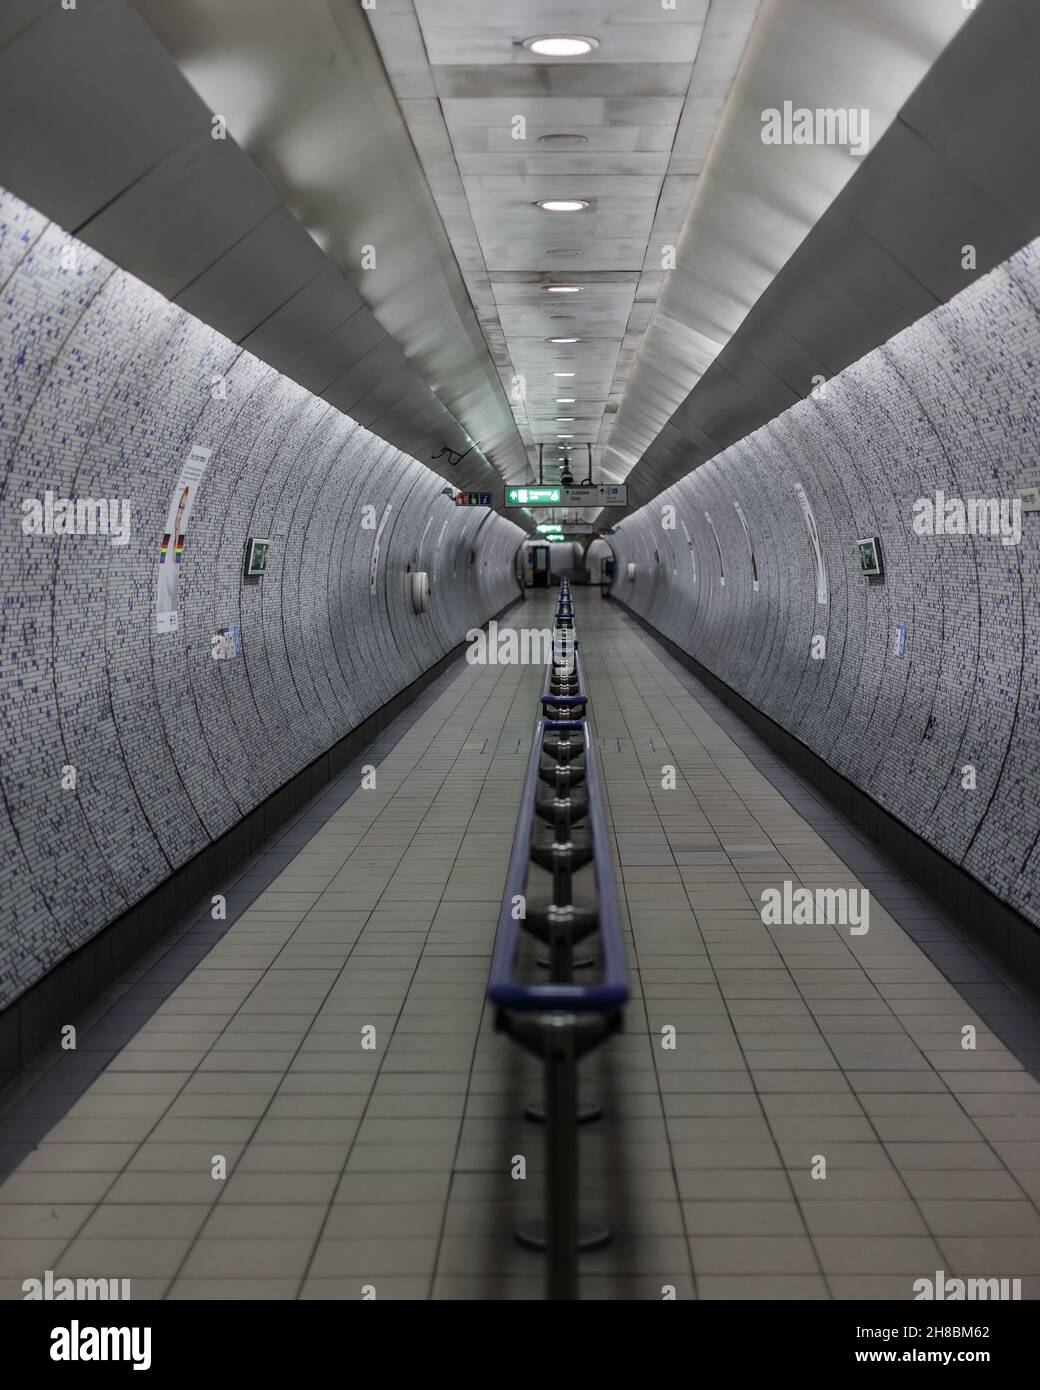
104	388
953	402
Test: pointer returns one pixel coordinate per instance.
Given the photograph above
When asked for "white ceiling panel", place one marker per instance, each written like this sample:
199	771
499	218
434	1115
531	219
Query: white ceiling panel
644	106
685	201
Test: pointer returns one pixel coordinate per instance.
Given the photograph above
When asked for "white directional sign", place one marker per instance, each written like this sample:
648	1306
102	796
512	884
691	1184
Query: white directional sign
594	495
577	495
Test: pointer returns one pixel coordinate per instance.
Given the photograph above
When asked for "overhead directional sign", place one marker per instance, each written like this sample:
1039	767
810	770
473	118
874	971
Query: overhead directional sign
533	496
577	495
559	531
595	495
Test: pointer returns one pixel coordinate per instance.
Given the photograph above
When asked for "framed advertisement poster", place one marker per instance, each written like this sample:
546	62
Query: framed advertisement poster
750	546
822	591
718	548
174	538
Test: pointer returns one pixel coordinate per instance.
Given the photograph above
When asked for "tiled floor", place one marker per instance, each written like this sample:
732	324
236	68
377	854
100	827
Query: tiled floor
390	1166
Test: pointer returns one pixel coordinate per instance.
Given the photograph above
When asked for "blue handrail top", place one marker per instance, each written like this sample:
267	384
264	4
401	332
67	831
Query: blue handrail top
613	991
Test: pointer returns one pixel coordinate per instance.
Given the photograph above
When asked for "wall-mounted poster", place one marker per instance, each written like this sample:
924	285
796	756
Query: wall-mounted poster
722	564
373	567
692	552
174	541
750	546
814	542
226	643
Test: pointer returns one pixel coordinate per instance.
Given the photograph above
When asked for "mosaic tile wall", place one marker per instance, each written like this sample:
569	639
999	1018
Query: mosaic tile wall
105	389
935	666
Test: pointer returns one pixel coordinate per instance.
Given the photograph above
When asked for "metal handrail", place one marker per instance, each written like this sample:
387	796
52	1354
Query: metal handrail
560	1021
613	991
582	698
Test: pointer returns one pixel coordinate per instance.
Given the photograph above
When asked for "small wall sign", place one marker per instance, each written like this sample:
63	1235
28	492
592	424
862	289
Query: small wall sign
257	550
870	561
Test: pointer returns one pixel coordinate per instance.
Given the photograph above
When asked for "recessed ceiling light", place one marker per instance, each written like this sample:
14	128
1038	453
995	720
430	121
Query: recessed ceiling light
563	340
566	400
562	204
565	436
565	251
565	420
561	45
563	289
563	138
565	374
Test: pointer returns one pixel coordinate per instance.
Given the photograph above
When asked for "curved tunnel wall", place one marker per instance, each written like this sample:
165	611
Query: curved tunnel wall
105	389
929	669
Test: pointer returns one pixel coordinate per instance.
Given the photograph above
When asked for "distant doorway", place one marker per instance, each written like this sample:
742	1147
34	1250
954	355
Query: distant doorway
540	567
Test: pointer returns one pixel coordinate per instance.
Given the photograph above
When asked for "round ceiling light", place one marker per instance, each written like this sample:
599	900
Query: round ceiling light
562	204
561	45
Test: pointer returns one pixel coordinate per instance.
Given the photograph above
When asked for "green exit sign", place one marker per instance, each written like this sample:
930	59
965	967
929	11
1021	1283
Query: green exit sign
532	496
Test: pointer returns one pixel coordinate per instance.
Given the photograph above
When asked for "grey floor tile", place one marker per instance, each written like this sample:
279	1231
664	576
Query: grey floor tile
387	1172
